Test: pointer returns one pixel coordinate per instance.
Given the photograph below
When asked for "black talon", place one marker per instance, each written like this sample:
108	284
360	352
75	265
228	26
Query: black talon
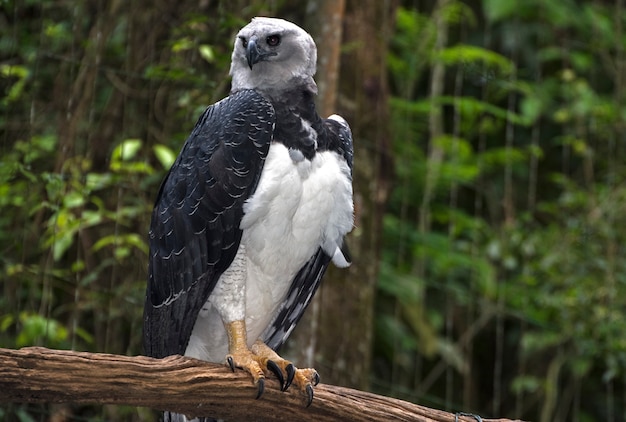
231	363
316	378
261	384
291	371
272	366
309	393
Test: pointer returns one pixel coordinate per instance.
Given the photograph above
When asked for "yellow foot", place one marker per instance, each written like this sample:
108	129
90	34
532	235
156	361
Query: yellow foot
286	372
246	360
306	379
260	361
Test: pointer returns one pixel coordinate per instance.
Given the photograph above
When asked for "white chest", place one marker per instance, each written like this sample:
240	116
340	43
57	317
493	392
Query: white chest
298	206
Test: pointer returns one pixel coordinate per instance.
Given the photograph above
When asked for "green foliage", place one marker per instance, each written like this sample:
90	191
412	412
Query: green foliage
35	327
20	73
516	209
75	202
581	309
476	57
96	99
70	205
406	57
507	228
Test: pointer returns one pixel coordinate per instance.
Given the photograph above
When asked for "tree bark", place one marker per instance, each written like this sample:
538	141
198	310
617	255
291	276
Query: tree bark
325	21
186	385
345	316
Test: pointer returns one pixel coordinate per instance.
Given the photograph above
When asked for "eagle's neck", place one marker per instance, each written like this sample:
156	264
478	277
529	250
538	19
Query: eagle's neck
298	126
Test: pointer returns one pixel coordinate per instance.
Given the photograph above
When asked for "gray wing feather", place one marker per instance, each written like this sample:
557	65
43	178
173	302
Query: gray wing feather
194	233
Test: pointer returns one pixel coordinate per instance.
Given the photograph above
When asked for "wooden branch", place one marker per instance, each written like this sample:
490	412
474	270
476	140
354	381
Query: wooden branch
189	386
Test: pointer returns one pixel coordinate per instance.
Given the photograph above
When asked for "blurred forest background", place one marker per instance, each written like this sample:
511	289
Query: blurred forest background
490	139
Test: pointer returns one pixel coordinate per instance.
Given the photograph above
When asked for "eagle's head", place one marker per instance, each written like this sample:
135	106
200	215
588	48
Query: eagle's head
272	55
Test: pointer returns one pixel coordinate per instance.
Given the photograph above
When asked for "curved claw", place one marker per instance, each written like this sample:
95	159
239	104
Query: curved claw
316	378
272	366
261	385
291	371
309	393
231	363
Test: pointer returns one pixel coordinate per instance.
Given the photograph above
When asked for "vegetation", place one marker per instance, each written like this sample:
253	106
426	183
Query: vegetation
501	284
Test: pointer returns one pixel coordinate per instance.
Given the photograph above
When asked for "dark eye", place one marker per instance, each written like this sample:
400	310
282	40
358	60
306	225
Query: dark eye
244	42
273	40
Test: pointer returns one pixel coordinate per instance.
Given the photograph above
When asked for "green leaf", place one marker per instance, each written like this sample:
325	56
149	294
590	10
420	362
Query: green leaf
73	199
533	342
91	218
12	71
126	150
182	44
84	335
36	328
61	244
450	353
5	322
497	10
466	54
122	242
525	384
165	155
97	181
207	53
78	266
531	108
61	229
132	167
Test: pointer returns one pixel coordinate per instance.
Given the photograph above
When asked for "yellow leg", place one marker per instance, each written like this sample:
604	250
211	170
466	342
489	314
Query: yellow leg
240	356
237	337
260	360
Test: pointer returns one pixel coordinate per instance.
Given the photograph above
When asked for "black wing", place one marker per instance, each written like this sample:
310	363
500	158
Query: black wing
194	233
336	136
303	287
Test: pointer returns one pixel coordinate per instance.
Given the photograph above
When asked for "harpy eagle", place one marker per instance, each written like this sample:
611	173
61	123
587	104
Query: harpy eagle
251	213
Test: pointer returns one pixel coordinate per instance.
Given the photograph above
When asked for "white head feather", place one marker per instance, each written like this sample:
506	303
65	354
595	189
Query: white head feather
293	61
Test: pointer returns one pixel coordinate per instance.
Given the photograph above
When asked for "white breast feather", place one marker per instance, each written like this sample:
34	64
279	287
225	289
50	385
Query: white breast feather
298	206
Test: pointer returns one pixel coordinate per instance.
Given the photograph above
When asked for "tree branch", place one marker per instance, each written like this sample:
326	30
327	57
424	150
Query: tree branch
185	385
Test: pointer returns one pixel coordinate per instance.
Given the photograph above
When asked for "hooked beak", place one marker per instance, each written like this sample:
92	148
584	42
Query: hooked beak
255	54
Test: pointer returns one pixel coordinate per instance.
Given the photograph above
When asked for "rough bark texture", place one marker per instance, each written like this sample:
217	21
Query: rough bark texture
185	385
342	314
324	21
335	334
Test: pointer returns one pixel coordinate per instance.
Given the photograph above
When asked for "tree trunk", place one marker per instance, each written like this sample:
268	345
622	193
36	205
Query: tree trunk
184	385
325	24
338	327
